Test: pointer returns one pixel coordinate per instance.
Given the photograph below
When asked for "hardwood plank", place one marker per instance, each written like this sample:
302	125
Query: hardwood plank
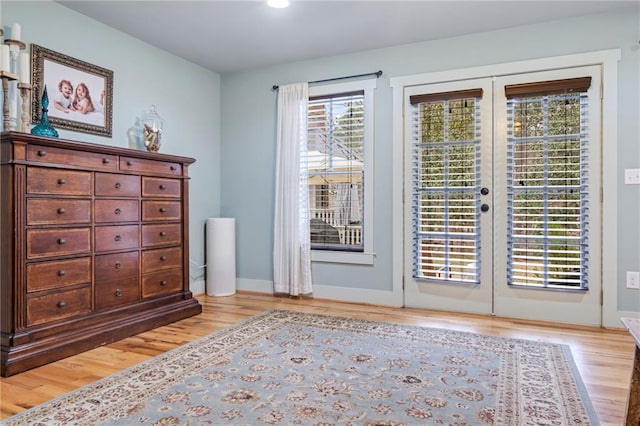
604	357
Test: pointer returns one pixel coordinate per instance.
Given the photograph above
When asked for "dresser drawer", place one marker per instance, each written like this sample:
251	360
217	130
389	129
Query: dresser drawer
159	187
160	259
141	165
155	235
116	266
55	306
161	282
116	237
161	210
57	242
114	293
44	211
111	185
116	211
70	157
59	182
58	274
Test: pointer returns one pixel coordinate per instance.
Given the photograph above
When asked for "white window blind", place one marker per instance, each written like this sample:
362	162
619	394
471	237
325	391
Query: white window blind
547	184
335	162
446	186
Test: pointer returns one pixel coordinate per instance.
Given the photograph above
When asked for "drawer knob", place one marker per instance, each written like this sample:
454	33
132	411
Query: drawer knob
118	265
61	210
62	273
117	211
62	181
163	258
61	304
163	283
117	238
163	187
105	161
117	185
118	293
163	234
129	163
61	241
42	153
163	210
172	168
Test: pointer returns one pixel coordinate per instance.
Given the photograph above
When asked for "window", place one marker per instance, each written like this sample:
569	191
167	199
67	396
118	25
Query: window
338	160
445	187
547	183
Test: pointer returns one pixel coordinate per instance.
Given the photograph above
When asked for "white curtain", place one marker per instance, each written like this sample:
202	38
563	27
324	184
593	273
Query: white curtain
292	245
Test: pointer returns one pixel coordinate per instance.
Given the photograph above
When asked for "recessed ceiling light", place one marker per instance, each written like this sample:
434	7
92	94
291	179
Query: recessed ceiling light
278	4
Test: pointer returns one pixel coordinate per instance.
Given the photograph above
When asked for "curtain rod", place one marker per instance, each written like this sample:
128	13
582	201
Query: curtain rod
377	74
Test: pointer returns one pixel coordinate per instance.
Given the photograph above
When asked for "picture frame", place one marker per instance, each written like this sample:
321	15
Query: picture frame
89	106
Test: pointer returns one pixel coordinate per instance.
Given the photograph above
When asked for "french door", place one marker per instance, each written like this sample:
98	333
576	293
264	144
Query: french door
502	204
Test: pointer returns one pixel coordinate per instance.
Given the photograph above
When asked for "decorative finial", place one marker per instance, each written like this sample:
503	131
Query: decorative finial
44	128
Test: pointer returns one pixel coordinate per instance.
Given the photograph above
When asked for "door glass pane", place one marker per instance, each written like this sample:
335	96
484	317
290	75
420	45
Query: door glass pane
547	191
446	162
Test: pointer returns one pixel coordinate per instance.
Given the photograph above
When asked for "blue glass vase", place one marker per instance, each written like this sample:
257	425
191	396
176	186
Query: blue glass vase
44	128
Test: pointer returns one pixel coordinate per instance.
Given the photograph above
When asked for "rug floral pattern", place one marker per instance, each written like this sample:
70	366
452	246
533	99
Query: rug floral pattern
287	368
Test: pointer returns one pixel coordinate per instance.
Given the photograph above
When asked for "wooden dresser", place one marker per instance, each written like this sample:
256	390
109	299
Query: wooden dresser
94	246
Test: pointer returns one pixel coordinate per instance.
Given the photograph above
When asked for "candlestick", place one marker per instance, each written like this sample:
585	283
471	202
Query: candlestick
6	77
15	46
25	90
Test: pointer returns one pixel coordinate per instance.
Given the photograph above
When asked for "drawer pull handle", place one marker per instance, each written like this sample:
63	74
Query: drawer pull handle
163	283
163	258
62	181
118	293
61	210
117	211
172	168
117	238
163	234
163	187
61	304
105	161
129	163
42	153
118	265
117	185
62	273
163	210
61	241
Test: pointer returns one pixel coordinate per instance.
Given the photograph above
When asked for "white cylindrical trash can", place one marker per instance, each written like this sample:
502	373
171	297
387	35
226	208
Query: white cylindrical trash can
221	256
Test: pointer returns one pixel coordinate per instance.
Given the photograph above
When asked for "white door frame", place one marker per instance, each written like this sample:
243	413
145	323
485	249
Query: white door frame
609	61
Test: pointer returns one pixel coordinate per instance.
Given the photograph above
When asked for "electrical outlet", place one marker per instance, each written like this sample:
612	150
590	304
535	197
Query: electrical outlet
632	176
633	279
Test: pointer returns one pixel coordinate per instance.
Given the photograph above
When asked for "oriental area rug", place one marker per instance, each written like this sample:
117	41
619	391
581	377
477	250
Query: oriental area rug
289	368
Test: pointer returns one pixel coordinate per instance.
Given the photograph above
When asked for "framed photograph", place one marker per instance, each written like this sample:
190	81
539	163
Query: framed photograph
80	94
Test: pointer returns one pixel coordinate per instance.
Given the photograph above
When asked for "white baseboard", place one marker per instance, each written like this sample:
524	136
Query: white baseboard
613	319
259	286
340	294
197	287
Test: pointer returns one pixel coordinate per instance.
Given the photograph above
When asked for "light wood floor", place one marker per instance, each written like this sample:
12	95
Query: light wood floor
604	357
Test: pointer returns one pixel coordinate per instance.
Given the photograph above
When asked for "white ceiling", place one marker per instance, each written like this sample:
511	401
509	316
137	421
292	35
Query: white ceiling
226	36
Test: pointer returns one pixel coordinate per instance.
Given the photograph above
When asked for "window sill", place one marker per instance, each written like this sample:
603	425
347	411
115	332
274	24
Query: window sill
342	257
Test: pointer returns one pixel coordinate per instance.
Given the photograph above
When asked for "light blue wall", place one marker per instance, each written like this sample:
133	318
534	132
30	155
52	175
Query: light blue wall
186	95
248	134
